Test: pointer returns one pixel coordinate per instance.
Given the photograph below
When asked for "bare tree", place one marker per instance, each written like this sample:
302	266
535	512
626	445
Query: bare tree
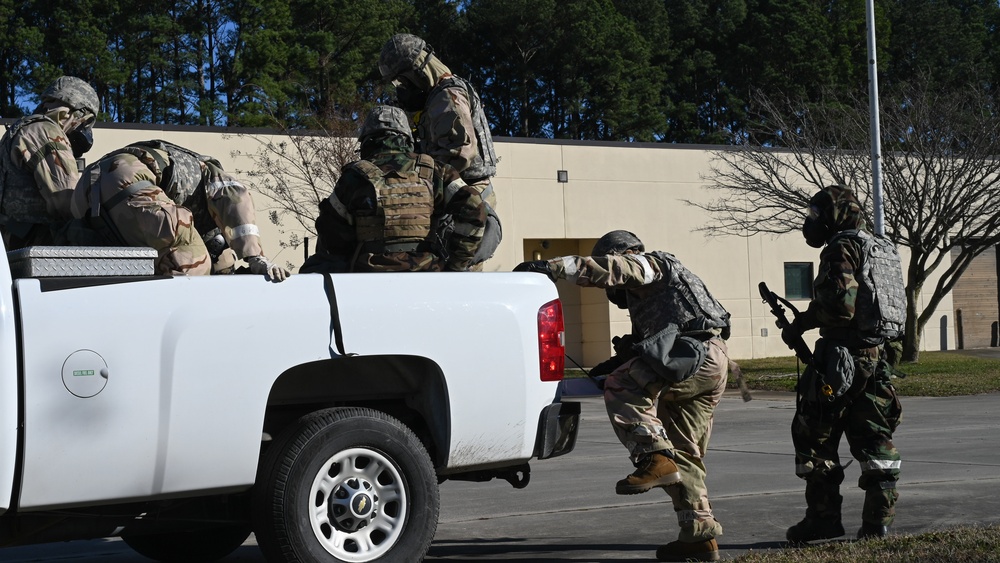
296	170
941	178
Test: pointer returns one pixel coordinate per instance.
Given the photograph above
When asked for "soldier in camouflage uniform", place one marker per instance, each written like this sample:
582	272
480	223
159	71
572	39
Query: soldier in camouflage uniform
155	193
38	164
661	393
381	214
868	410
449	122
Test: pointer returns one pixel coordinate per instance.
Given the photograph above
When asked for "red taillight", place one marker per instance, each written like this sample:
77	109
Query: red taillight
551	341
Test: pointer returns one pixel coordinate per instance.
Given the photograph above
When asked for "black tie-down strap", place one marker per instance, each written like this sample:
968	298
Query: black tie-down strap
338	335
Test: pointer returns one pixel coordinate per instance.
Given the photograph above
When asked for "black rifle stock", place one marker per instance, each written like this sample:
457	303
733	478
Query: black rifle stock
798	344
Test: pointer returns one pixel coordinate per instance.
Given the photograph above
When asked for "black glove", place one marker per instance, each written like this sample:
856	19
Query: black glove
791	333
607	366
599	381
537	266
624	346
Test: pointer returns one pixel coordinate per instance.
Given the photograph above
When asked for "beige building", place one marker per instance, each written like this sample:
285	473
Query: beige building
557	197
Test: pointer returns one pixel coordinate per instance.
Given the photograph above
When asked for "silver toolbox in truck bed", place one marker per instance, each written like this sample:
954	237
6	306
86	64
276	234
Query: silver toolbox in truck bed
64	261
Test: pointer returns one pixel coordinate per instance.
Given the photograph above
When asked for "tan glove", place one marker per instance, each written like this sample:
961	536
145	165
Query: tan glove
261	266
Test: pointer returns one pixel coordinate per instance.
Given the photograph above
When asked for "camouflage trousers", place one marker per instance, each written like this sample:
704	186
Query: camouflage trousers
649	413
867	417
493	232
148	218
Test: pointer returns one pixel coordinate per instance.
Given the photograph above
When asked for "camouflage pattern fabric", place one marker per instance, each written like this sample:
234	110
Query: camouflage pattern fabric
835	286
217	199
661	290
74	92
649	414
484	240
147	218
445	129
867	416
40	175
484	164
222	201
337	238
869	412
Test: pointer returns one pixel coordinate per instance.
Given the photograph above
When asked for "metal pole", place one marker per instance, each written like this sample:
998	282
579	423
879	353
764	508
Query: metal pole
873	110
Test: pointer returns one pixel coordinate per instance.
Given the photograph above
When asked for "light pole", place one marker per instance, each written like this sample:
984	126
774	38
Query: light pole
873	110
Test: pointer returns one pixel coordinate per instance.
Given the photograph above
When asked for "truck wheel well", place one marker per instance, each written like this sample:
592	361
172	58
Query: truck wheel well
409	388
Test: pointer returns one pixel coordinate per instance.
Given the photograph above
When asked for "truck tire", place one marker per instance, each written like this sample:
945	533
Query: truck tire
346	484
194	546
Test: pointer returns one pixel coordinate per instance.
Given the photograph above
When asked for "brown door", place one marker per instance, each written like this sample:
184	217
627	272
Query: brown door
976	302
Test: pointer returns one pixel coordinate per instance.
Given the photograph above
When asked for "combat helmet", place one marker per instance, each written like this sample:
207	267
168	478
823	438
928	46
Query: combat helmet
400	55
74	92
617	242
385	119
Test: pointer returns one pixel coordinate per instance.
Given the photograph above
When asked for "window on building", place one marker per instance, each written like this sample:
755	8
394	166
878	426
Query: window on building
798	280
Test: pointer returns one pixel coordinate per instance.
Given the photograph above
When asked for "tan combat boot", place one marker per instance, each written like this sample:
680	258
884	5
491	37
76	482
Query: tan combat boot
707	550
655	470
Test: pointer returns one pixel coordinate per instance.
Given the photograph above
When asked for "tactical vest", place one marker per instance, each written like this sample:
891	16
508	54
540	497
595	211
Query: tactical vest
485	164
20	200
880	309
402	217
681	299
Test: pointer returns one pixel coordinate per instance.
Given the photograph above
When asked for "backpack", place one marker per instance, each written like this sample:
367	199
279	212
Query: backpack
880	309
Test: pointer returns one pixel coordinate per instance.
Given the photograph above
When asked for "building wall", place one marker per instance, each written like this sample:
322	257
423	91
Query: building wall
643	188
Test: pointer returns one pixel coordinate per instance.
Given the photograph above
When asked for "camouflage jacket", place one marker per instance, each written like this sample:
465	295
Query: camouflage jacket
661	291
338	237
217	199
835	289
135	211
445	129
222	201
39	170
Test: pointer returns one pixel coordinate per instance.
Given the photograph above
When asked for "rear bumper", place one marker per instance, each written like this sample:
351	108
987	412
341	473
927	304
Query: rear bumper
557	428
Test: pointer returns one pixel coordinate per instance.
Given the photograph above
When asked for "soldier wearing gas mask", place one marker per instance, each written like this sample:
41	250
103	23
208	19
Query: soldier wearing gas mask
858	304
662	390
38	164
449	123
199	218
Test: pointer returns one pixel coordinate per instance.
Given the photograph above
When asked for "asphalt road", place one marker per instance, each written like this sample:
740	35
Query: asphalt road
569	511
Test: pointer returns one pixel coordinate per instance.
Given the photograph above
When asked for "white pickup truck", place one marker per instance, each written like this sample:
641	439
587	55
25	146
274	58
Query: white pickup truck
320	413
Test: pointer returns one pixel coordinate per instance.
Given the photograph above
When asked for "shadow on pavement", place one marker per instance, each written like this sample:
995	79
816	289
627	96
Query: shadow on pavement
513	550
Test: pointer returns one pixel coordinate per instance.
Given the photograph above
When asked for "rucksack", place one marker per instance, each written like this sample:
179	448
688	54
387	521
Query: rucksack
880	309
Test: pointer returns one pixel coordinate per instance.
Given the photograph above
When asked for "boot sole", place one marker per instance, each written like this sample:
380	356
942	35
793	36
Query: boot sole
665	481
804	541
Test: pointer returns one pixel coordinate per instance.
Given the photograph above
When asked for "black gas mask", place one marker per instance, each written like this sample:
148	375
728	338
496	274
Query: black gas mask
814	228
618	296
81	140
409	96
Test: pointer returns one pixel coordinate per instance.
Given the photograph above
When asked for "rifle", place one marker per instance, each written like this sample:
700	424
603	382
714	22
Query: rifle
798	344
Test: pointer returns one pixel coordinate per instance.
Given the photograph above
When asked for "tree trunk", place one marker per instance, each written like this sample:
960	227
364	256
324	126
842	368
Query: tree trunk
913	329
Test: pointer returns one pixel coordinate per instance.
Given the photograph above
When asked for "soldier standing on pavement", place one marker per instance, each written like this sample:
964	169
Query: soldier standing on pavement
858	305
662	399
449	121
38	164
381	213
